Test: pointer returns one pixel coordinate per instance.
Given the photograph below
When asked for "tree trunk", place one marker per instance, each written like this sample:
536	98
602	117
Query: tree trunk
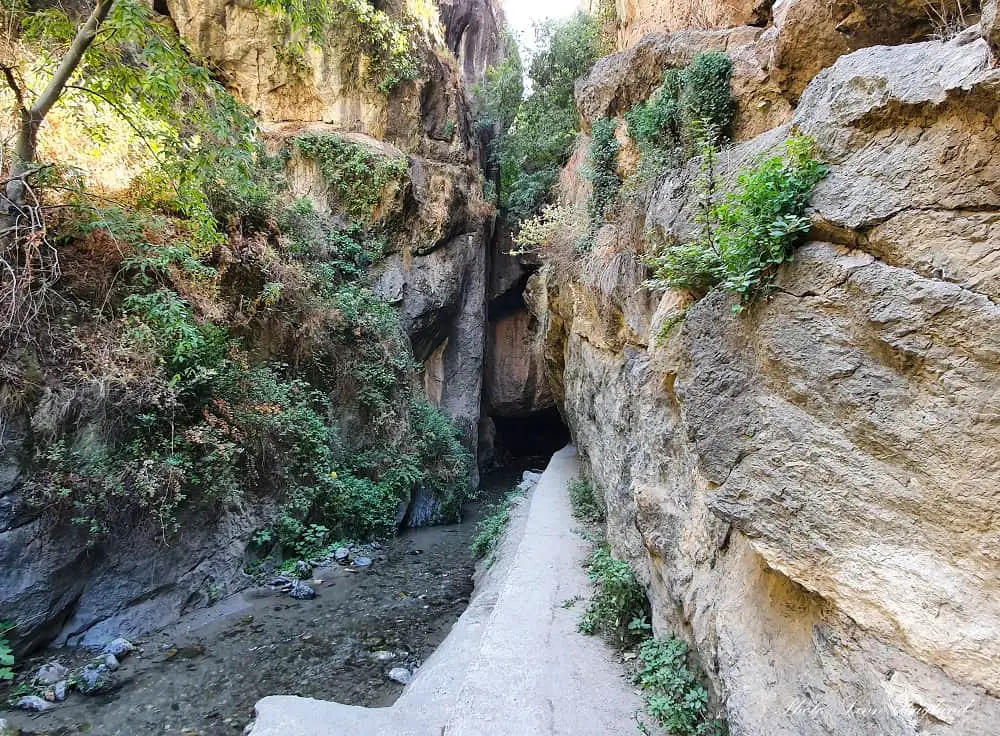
26	149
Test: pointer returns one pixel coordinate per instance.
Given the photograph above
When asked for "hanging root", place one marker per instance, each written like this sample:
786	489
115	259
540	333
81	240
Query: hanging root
29	264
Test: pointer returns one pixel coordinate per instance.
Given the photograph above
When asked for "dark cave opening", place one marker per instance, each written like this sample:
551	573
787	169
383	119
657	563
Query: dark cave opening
537	435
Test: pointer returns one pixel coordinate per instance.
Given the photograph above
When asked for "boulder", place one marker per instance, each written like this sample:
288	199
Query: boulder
400	675
50	674
94	679
119	647
32	703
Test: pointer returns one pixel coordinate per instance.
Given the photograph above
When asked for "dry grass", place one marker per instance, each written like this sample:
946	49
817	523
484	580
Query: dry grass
947	18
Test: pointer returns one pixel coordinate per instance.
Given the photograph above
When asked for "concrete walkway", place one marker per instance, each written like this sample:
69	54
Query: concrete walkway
514	664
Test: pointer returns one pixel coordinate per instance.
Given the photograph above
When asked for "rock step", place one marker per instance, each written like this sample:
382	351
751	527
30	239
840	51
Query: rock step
514	664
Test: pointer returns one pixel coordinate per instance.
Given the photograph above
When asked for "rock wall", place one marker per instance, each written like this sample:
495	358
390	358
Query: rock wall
808	490
54	585
630	20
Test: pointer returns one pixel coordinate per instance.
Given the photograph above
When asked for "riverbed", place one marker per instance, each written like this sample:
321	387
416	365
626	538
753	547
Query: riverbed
202	676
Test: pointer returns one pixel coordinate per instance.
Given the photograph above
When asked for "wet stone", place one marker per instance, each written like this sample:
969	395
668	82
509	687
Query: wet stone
302	592
111	662
32	703
362	561
342	555
51	673
119	647
94	679
400	675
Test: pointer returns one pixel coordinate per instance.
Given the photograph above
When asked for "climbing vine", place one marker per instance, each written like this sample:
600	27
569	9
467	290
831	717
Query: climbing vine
356	174
603	176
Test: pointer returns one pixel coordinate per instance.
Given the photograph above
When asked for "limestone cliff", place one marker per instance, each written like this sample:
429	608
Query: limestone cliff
808	490
58	586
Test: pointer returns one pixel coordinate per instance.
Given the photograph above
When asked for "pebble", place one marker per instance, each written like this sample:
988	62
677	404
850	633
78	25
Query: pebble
362	561
32	703
51	673
384	656
111	662
342	554
400	675
119	647
59	691
301	592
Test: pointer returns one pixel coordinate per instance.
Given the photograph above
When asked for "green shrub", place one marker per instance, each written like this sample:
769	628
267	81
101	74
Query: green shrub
490	530
706	97
164	323
584	500
603	176
357	175
247	430
675	697
692	104
658	123
617	601
761	222
445	463
750	233
6	654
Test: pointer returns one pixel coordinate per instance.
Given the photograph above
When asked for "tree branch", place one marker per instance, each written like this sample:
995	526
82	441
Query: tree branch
8	74
123	115
84	37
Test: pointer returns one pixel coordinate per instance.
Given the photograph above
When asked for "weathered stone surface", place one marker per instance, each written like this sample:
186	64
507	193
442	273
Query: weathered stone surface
809	490
619	82
245	44
633	19
474	33
442	300
507	272
58	588
991	25
906	127
514	382
811	35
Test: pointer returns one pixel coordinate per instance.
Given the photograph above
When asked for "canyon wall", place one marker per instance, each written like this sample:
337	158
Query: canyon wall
58	585
808	490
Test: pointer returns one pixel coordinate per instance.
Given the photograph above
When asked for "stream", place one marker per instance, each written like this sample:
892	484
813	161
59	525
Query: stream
203	675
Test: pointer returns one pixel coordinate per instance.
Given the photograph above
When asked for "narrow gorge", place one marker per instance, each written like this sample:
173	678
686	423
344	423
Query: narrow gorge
294	291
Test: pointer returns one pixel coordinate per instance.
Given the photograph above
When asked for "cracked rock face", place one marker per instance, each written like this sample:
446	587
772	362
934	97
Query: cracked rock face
809	490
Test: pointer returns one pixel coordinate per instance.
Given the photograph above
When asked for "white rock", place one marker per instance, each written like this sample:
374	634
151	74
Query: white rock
400	675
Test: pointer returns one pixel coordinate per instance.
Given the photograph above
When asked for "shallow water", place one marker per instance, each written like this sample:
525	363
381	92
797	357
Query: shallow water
203	675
